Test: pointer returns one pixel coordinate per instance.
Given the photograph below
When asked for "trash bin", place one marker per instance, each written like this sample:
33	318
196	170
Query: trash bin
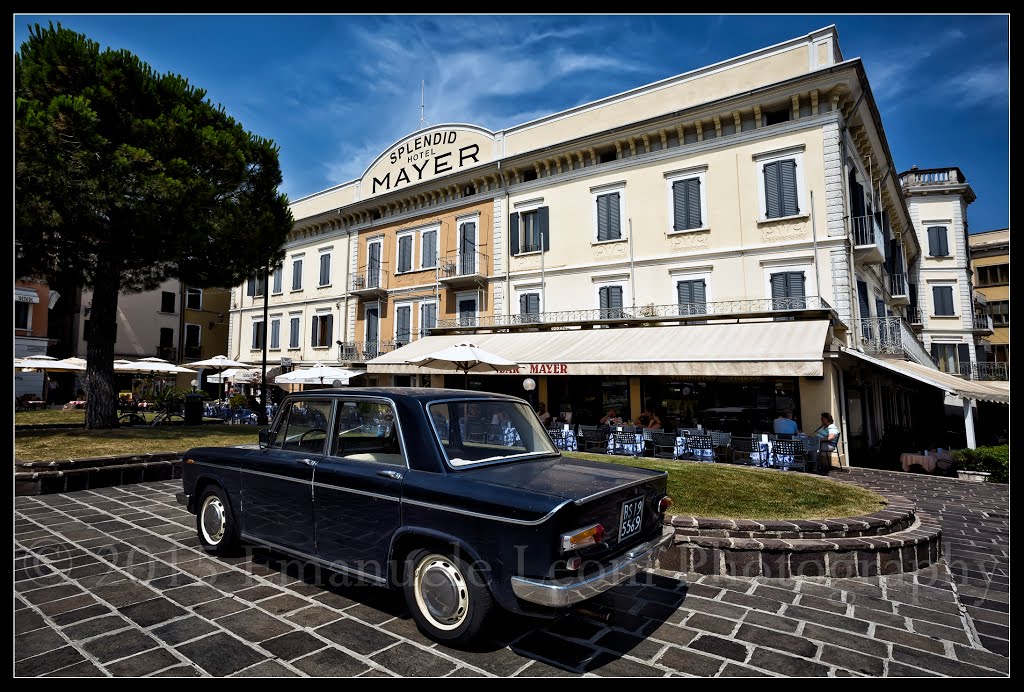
193	409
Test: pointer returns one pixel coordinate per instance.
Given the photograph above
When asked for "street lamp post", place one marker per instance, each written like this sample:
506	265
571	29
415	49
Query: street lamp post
529	384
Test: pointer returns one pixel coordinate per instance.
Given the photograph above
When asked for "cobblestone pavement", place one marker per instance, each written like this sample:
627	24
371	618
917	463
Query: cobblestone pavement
113	582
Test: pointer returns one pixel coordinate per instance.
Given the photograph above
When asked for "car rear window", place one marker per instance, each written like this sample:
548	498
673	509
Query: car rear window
477	431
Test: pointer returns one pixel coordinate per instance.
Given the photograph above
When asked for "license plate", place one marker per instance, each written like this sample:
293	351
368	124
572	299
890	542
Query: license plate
632	517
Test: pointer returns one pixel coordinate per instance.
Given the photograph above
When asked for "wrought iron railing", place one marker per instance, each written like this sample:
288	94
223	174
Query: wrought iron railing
983	323
985	371
366	350
463	264
866	232
645	312
891	336
915	316
167	353
366	279
898	284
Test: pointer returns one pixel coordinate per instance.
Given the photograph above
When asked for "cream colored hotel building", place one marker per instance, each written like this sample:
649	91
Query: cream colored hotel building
720	245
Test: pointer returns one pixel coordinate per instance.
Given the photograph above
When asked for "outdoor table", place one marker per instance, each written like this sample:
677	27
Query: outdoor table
35	404
567	443
701	454
928	462
635	449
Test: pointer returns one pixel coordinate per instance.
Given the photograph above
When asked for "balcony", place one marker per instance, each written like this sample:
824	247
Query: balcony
808	306
168	353
983	324
985	371
193	351
890	336
369	284
461	269
362	351
899	290
868	241
916	318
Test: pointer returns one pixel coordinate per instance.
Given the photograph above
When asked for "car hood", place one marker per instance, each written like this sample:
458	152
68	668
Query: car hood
571	479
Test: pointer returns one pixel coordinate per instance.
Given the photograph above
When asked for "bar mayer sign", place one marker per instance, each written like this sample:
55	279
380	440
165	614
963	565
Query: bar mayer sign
428	154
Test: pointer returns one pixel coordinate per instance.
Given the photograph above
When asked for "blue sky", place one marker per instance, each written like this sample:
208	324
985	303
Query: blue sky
333	91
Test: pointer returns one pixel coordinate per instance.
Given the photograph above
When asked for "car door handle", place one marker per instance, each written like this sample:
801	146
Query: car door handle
396	475
308	462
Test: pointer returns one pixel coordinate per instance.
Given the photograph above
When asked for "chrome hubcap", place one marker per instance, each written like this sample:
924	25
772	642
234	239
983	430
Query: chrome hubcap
441	592
213	520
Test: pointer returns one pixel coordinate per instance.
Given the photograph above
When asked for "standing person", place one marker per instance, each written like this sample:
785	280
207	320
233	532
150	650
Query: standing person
542	413
785	424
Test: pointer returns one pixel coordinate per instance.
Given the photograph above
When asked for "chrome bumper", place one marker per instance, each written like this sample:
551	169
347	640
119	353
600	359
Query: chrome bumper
564	592
182	498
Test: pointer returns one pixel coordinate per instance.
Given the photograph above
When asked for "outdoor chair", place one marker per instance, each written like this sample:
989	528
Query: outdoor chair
595	441
825	452
700	447
745	450
624	443
664	445
723	445
476	430
557	436
789	454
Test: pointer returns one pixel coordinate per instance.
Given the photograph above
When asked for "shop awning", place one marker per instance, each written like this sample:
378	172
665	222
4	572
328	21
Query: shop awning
996	391
25	295
768	349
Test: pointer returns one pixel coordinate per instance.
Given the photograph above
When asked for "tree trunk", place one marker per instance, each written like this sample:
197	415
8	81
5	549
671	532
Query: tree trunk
101	406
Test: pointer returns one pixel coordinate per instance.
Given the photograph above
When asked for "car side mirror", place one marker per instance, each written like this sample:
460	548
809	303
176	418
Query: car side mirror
264	438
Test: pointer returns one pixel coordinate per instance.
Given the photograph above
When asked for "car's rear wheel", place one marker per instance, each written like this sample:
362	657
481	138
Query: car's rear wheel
447	597
215	523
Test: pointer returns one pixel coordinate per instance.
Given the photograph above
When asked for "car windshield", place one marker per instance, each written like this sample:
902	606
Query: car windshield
486	430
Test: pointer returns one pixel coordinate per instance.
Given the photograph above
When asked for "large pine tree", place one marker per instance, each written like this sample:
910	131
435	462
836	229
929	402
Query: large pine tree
125	178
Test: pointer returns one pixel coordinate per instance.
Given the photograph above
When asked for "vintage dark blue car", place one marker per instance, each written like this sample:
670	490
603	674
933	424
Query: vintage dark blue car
458	498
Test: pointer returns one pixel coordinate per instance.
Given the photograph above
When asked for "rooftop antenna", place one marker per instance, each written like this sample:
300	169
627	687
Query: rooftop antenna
423	91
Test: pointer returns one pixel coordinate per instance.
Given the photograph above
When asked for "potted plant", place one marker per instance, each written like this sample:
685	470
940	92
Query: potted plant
983	464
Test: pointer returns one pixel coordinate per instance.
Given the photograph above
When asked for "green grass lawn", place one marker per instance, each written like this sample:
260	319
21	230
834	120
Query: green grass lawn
49	445
48	416
736	492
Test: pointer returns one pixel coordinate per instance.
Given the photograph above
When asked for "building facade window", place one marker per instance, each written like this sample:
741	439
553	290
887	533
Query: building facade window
788	290
256	286
687	201
278	279
466	306
405	252
373	269
780	183
529	306
1000	312
942	301
428	249
609	211
193	340
275	333
428	317
323	329
610	299
692	296
403	324
993	275
949	356
325	269
938	243
294	326
166	301
23	316
297	274
194	298
467	248
529	229
258	334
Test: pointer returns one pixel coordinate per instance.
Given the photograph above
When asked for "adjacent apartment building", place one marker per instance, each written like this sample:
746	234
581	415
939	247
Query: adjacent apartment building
719	246
990	264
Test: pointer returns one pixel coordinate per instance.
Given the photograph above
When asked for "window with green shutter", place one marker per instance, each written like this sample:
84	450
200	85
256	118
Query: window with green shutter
937	241
942	299
403	324
788	291
405	253
428	317
686	204
429	250
608	212
610	302
780	191
529	307
691	295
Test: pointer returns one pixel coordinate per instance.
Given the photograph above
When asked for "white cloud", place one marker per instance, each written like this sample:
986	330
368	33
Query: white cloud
979	85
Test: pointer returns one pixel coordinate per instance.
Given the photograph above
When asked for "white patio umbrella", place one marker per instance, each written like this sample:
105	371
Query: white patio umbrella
219	364
317	375
48	363
465	358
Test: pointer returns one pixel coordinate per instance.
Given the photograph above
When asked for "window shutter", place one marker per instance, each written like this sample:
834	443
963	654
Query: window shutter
856	196
933	240
614	223
679	208
427	251
403	315
513	233
603	298
693	210
963	354
943	241
772	198
296	275
796	285
523	304
533	303
778	286
684	289
699	295
250	286
935	352
879	307
542	227
615	297
603	232
312	335
328	334
787	184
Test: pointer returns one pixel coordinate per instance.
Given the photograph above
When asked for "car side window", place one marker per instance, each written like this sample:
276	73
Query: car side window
366	431
303	427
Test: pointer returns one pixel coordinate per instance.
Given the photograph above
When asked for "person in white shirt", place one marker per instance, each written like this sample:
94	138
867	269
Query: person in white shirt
785	424
542	413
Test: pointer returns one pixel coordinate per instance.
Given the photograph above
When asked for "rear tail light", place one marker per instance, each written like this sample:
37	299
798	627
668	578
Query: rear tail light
664	504
581	537
573	563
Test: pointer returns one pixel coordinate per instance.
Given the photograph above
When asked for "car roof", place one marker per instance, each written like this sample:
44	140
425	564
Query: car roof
424	394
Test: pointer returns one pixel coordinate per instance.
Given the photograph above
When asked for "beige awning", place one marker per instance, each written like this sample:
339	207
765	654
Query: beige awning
768	349
996	391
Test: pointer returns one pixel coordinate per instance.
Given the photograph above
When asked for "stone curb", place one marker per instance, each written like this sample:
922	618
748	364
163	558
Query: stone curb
47	477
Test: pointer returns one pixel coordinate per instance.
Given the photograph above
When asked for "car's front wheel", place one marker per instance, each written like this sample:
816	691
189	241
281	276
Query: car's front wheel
447	597
215	523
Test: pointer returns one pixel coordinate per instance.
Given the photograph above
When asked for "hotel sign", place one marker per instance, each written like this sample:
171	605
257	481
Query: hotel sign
536	369
427	155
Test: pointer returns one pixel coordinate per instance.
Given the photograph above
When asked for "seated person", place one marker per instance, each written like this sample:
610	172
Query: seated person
828	432
648	419
785	424
611	418
542	413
